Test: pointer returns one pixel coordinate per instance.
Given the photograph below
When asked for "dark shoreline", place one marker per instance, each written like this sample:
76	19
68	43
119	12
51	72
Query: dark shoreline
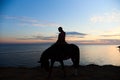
89	72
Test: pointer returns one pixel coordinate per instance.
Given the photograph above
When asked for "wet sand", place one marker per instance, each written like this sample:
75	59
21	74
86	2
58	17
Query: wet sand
90	72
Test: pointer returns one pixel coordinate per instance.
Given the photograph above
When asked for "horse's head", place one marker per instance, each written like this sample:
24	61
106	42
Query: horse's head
44	62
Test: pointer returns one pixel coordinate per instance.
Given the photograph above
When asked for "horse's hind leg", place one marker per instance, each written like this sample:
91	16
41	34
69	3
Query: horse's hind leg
75	65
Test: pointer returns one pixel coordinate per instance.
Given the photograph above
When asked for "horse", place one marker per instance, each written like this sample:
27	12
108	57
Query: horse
60	53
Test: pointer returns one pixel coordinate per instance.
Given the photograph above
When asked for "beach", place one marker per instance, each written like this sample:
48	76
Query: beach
89	72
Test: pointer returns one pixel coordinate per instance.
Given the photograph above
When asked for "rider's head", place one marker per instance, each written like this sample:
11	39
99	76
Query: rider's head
60	29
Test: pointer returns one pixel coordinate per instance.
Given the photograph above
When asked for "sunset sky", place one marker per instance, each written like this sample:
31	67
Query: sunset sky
36	21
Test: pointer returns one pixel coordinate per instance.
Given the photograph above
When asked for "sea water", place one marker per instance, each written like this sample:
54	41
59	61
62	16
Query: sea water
28	55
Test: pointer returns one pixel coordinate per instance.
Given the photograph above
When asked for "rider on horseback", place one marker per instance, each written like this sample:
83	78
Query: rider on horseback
61	37
60	51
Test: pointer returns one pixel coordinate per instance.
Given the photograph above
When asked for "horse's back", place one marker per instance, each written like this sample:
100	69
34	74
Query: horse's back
65	51
63	47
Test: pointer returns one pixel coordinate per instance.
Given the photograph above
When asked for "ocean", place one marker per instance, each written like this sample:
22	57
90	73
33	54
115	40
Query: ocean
16	55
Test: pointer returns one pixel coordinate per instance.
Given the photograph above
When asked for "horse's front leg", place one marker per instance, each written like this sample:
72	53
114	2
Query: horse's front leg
50	71
62	64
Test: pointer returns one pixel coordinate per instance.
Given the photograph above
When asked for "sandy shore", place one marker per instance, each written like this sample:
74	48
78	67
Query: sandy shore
90	72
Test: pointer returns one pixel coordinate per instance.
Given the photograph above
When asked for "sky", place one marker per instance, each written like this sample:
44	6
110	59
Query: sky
37	21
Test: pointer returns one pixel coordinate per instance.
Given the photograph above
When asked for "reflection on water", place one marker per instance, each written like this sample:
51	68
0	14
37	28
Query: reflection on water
28	55
100	54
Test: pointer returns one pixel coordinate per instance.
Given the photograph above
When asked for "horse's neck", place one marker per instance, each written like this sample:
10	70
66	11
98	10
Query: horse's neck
45	56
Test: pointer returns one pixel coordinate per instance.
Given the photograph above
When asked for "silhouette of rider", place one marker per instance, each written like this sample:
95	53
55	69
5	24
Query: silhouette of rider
61	37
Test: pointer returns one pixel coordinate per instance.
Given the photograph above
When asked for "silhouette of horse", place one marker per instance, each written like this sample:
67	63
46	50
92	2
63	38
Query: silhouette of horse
60	53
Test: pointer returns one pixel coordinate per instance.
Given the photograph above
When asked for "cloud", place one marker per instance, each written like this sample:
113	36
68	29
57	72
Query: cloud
45	24
111	41
75	33
110	35
77	41
44	38
114	16
7	17
99	41
37	38
28	21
